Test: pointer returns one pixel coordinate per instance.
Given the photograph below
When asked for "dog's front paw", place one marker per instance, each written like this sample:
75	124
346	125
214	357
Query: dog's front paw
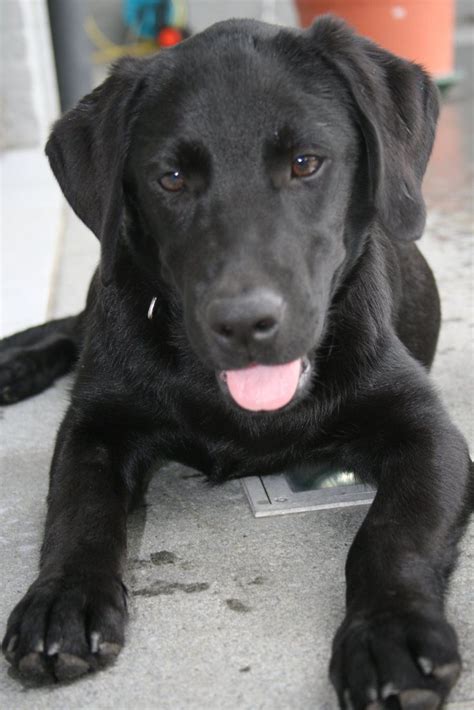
394	659
66	626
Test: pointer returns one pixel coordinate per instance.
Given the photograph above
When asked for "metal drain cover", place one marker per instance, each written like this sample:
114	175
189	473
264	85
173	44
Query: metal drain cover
304	488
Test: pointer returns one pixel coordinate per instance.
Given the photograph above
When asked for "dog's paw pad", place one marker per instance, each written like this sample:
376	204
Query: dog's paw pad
33	665
419	699
447	673
67	666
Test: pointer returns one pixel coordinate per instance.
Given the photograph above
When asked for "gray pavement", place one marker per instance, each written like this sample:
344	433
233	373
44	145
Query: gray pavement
240	612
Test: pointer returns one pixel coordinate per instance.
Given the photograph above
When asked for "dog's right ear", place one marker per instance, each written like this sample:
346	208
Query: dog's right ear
87	149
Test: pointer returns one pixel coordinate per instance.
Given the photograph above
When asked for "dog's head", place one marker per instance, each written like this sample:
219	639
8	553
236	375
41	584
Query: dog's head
245	167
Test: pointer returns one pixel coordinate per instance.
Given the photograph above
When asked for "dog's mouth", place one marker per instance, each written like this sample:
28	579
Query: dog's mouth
266	388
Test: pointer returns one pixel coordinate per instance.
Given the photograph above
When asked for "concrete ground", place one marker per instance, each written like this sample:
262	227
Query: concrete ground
229	612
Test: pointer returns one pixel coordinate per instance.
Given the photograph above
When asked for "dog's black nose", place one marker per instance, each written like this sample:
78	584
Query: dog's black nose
254	317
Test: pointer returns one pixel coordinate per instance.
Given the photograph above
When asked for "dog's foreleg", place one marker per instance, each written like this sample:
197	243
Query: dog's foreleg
72	618
395	639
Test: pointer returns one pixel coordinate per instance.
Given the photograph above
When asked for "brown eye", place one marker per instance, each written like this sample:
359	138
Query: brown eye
305	165
173	182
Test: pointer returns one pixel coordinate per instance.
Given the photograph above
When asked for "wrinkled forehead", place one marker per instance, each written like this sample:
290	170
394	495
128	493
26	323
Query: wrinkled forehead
240	98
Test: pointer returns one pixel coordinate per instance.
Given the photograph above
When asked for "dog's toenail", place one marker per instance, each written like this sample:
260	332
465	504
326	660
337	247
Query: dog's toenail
347	700
39	646
95	638
109	649
53	649
388	690
6	394
372	694
10	649
426	665
12	644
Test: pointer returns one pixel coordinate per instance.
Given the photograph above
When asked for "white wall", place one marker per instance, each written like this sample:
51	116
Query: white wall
31	204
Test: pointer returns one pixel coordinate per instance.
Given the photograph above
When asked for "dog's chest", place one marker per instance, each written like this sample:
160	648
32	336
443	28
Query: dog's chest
224	452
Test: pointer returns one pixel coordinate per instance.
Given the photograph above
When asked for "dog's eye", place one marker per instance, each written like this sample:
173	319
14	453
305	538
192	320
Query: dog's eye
173	182
305	165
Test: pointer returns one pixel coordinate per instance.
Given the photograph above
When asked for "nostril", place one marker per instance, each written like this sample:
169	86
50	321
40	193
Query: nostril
264	326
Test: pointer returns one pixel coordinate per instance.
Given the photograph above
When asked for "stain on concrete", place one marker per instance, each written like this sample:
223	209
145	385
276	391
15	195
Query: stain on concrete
258	580
195	587
163	558
161	586
245	669
237	605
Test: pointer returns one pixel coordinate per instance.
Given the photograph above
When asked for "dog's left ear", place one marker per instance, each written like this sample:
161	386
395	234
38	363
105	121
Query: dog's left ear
87	149
397	107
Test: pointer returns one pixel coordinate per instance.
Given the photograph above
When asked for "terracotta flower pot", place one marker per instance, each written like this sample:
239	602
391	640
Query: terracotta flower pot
420	30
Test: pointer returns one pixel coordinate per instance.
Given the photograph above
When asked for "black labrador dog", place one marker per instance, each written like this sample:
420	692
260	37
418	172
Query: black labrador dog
260	302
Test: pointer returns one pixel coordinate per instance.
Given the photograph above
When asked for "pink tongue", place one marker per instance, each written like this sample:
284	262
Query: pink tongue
264	387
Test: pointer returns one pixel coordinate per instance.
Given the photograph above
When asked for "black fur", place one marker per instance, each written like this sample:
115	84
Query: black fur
230	109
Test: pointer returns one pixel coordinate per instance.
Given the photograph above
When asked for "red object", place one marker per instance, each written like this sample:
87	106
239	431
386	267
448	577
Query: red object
169	36
420	30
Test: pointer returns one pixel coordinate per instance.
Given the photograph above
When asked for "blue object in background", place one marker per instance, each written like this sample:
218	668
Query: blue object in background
146	17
